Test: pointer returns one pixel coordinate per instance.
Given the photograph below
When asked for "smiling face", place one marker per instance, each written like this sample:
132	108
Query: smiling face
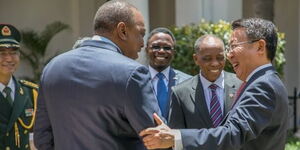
210	58
245	57
9	61
160	50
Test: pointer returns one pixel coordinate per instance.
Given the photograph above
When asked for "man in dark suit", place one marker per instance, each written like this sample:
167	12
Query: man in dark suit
17	97
259	117
97	96
160	51
192	104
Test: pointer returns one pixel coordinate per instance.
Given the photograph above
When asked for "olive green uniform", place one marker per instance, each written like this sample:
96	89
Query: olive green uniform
16	121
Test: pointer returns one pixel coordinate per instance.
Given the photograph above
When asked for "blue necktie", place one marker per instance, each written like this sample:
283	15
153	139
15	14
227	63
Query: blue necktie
215	107
162	94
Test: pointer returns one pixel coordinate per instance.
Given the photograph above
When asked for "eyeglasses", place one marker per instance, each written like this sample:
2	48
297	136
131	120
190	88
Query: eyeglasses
158	48
230	47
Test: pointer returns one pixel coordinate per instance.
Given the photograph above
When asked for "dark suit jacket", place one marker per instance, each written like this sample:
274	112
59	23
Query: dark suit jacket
188	106
175	77
94	98
258	121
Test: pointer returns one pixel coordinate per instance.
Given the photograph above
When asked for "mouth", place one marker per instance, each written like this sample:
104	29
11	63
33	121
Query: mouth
161	58
215	71
235	66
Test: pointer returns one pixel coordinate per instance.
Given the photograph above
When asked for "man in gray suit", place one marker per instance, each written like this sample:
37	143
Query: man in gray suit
192	104
160	50
259	117
96	97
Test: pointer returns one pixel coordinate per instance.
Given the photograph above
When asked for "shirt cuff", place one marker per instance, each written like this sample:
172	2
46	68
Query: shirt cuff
30	136
178	141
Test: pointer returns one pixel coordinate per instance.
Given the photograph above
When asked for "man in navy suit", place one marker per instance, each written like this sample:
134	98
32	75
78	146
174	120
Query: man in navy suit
259	117
96	96
160	50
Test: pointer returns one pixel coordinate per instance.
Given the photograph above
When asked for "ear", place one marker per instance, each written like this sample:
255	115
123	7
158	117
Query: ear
262	47
195	59
122	30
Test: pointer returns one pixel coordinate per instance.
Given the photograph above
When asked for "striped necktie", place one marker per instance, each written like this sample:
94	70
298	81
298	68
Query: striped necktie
215	107
7	91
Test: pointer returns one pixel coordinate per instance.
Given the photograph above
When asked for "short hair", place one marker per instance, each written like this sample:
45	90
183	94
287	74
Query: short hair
111	13
199	41
161	30
256	29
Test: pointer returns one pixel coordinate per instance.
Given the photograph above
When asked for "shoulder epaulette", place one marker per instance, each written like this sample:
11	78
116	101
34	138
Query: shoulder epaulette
29	84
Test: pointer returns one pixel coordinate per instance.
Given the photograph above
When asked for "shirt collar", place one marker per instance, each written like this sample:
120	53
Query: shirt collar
257	69
219	82
104	39
153	72
10	84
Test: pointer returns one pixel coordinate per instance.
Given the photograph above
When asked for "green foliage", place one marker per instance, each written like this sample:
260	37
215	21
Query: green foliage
36	46
187	35
292	143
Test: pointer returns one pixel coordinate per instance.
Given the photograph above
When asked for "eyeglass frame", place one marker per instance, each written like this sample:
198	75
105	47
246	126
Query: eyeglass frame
229	48
161	47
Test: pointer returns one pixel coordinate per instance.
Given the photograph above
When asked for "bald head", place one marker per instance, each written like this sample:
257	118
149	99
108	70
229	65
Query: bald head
111	13
208	41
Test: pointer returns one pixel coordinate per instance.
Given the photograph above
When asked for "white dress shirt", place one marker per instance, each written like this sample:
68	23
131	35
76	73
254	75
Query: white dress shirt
154	78
207	91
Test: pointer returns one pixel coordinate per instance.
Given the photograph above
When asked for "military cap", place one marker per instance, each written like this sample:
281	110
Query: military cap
9	36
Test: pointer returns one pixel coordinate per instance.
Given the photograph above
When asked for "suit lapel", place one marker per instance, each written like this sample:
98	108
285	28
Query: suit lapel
198	97
253	78
18	106
172	81
229	92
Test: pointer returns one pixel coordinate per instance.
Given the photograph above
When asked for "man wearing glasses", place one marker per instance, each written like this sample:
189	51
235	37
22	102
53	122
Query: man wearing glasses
203	100
160	51
17	97
259	117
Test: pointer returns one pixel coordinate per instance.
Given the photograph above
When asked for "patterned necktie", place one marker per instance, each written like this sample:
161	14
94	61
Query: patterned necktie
7	91
238	93
215	107
162	94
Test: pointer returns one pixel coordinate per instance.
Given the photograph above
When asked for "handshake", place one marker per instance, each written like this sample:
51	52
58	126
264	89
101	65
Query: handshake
158	137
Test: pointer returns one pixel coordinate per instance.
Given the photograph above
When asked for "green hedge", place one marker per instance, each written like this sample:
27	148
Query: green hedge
187	35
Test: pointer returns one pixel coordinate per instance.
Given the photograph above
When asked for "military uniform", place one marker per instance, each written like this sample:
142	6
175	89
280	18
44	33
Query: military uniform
16	121
17	109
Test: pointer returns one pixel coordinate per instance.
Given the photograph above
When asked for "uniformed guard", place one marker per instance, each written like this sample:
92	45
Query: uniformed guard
17	97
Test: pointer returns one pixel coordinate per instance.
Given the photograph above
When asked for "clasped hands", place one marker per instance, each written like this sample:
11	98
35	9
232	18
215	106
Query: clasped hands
160	136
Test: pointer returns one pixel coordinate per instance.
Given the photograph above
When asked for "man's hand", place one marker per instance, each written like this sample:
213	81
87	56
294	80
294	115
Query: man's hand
158	137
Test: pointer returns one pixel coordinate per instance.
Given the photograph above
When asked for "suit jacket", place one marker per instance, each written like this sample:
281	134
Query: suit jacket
188	105
18	118
175	77
258	121
94	98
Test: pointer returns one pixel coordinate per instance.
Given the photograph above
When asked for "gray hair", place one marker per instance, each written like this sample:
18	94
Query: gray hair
161	30
200	40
